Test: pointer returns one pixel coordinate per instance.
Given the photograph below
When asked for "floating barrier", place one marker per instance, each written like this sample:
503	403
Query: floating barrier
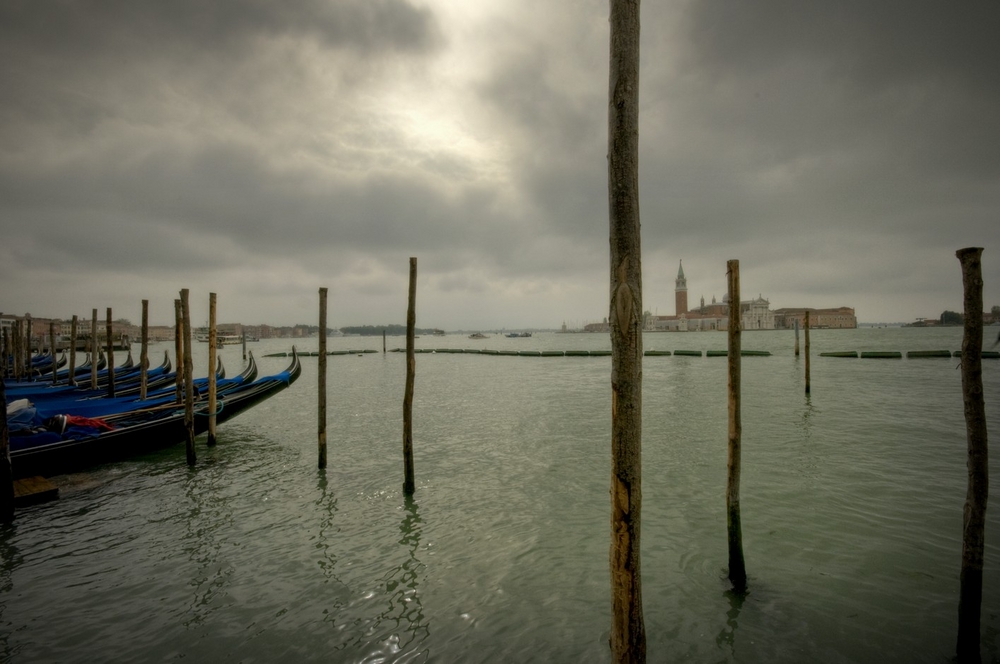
929	353
582	353
882	354
600	353
691	353
552	353
530	353
840	353
716	353
986	354
651	352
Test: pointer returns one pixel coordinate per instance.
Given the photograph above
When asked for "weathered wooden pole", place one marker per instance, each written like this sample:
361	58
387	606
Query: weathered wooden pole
6	471
244	340
213	340
94	349
188	377
737	564
321	389
628	632
807	352
974	520
109	330
144	354
27	324
72	351
179	351
411	367
796	337
383	342
52	350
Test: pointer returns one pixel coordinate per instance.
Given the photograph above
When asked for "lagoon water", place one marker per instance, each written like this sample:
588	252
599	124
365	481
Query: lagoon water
851	501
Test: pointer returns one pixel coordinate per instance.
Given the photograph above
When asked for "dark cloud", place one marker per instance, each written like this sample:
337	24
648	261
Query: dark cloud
841	151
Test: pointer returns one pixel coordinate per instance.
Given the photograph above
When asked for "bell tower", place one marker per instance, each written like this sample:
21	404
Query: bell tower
681	291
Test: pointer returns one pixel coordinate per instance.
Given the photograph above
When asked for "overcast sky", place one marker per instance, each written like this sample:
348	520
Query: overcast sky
842	151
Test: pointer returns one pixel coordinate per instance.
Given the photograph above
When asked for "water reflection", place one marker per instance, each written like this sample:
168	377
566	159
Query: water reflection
209	512
10	560
726	638
405	599
328	530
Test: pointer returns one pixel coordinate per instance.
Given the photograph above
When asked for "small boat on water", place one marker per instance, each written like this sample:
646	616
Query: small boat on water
70	442
477	335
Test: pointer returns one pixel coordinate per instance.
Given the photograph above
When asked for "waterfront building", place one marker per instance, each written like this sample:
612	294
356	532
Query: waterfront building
755	314
839	317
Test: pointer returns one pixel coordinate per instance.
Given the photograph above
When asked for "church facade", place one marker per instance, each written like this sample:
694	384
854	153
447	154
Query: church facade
755	314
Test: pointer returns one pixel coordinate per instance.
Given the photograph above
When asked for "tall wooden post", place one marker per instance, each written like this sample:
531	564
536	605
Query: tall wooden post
72	352
188	377
628	632
737	564
321	388
974	520
383	342
411	367
796	337
808	389
52	350
243	334
27	357
94	349
6	471
179	351
213	340
111	355
144	353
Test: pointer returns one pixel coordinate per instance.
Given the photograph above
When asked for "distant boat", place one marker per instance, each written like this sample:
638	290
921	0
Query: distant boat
516	335
477	335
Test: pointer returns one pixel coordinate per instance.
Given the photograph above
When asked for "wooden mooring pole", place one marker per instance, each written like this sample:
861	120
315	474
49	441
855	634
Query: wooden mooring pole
72	351
6	471
144	353
321	387
974	520
94	349
796	337
737	564
108	328
213	340
179	352
188	375
52	350
807	353
411	367
628	631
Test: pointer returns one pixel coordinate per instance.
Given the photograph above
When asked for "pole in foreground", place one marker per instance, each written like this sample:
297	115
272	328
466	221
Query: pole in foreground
144	353
737	564
411	368
72	352
213	341
94	349
807	353
974	520
796	337
322	379
628	632
179	351
109	331
188	383
6	471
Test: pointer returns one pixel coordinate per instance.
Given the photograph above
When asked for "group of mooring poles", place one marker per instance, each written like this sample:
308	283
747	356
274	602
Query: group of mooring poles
409	484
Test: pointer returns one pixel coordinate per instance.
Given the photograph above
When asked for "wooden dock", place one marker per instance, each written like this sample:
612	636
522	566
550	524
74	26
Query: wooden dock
34	490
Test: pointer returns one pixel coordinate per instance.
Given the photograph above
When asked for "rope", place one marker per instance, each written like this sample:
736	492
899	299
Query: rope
218	410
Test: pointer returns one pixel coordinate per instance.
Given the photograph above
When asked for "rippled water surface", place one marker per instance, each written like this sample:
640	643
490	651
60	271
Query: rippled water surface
851	502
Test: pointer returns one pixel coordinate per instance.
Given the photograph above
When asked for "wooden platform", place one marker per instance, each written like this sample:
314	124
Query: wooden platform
34	490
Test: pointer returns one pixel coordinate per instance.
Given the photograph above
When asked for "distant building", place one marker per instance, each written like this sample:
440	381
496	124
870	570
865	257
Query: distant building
840	317
755	314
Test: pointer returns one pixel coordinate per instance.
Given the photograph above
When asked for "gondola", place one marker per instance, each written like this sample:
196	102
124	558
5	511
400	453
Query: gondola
134	432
